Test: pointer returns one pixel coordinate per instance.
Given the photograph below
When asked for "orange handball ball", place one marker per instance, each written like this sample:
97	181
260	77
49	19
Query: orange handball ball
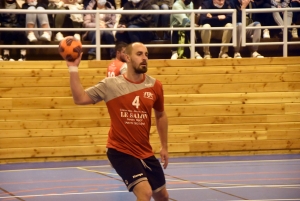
70	48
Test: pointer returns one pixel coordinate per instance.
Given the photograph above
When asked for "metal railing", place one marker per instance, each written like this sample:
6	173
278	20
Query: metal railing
285	27
192	28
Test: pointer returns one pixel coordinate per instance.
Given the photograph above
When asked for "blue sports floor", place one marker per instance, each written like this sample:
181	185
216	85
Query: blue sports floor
256	178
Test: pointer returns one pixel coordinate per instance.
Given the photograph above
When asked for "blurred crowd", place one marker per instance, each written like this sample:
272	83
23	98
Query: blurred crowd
144	20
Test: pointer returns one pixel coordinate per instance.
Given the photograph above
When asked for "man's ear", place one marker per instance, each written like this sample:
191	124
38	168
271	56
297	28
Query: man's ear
127	58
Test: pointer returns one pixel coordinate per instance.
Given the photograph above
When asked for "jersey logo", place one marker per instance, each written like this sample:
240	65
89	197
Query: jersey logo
148	95
148	85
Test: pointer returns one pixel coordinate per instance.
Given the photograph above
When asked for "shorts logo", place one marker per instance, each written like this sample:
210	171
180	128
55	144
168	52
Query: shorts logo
148	95
137	175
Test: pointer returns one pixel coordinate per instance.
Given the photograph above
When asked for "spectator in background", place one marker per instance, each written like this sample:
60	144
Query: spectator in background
118	66
216	20
59	19
266	19
295	4
278	17
164	18
36	20
135	21
11	20
255	34
106	21
181	20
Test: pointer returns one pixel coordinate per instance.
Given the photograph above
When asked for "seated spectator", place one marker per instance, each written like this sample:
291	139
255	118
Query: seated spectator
255	34
216	20
278	17
36	20
164	18
59	19
106	21
295	4
9	20
135	21
181	20
118	66
266	19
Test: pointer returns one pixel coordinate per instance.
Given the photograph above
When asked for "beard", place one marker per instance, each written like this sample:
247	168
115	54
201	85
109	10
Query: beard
123	59
141	69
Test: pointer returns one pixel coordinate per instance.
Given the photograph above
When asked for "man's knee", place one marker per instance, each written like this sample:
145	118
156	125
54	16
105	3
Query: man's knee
161	195
228	25
155	7
256	24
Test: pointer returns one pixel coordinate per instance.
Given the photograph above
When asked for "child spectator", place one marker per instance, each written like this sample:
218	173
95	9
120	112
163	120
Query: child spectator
11	20
36	20
106	21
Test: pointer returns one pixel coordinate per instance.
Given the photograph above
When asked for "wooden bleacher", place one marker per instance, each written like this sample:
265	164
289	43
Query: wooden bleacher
215	107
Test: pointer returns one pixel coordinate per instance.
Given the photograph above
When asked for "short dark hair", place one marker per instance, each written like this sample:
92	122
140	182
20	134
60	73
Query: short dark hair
120	45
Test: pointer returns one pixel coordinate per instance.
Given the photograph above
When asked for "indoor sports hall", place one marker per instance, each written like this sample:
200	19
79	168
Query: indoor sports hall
233	131
234	127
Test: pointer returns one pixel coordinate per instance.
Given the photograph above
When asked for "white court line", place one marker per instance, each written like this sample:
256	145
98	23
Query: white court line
95	171
110	192
222	162
293	199
185	163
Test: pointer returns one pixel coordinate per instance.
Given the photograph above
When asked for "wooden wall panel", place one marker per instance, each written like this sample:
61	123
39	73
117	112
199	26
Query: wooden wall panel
215	107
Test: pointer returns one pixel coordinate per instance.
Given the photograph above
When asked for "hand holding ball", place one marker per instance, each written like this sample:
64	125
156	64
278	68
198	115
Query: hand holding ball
70	48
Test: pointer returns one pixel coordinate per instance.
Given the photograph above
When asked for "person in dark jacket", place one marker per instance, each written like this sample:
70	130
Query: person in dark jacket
216	20
266	19
250	33
135	21
12	20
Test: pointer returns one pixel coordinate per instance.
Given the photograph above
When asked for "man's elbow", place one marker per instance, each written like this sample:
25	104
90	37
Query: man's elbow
78	101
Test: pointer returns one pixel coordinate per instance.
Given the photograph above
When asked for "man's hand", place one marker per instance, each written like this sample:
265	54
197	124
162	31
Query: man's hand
244	3
164	157
102	24
221	17
208	15
74	64
121	26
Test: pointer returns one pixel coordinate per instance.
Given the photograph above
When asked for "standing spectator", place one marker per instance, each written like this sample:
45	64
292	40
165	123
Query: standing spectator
130	99
36	20
255	34
216	20
106	21
135	21
59	19
119	65
295	4
279	18
181	20
163	18
11	20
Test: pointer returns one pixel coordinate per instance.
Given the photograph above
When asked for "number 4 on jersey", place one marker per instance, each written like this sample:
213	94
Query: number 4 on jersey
136	102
